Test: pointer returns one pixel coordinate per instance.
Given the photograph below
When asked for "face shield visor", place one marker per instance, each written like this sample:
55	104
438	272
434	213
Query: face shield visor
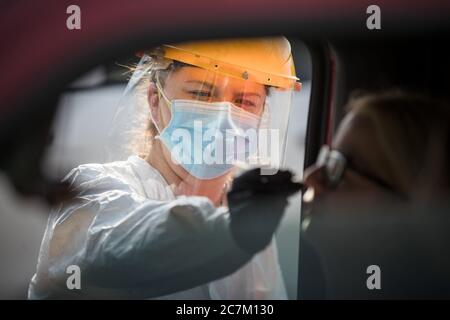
206	117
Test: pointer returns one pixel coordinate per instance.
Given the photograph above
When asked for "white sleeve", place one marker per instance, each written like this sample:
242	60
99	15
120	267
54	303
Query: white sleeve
259	279
122	241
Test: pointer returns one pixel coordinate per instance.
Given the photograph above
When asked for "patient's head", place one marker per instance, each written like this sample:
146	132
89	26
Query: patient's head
395	145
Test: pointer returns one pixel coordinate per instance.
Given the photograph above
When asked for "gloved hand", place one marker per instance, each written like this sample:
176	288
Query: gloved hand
256	203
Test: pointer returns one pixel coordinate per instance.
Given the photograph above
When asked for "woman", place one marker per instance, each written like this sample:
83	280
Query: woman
156	224
391	148
389	157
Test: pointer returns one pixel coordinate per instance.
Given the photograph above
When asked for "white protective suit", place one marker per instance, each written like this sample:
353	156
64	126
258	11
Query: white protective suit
132	238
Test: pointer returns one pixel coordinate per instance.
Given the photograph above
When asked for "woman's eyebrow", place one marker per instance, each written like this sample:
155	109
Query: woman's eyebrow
211	86
247	94
203	83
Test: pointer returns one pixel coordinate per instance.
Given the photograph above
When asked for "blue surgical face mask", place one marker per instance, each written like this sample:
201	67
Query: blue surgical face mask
205	138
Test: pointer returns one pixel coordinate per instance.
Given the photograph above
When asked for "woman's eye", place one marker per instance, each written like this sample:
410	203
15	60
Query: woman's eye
244	102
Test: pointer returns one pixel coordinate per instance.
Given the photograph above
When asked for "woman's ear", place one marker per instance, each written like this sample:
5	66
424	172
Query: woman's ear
153	101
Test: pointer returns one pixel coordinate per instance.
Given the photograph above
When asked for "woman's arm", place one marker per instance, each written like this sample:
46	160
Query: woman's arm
123	241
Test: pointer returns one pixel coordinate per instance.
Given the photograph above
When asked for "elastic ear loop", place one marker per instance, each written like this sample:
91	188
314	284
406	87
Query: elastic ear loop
166	100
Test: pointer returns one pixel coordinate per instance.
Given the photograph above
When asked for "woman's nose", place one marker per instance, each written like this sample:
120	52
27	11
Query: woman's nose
227	96
315	181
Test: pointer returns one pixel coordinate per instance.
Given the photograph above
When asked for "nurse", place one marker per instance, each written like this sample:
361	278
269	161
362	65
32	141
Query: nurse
165	219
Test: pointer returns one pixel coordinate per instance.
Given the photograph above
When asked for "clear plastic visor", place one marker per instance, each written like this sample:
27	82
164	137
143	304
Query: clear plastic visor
207	124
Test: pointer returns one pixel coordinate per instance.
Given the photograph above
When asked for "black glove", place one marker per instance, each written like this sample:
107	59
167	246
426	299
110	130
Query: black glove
256	203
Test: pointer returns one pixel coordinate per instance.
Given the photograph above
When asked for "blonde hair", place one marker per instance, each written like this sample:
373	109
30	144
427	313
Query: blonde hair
155	66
